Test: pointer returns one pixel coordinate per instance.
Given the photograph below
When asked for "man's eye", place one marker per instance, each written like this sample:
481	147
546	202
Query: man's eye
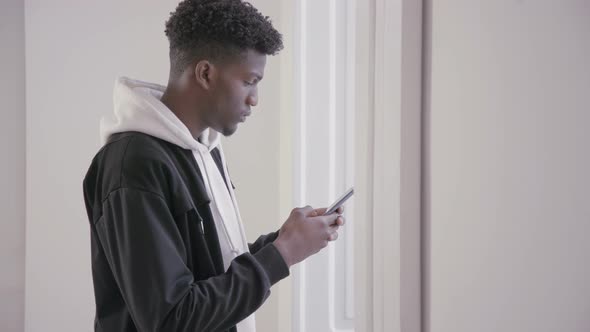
248	83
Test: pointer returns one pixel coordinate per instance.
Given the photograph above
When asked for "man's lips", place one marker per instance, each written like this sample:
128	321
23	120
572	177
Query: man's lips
244	116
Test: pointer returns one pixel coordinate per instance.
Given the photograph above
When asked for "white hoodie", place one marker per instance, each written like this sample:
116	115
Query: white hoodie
138	108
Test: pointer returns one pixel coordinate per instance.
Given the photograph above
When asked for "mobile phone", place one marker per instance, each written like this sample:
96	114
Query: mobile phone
339	201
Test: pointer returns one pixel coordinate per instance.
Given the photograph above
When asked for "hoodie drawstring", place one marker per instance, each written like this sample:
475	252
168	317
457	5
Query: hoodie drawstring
223	222
232	195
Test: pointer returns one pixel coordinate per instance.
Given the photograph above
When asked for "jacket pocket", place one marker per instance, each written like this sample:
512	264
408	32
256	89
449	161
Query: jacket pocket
197	242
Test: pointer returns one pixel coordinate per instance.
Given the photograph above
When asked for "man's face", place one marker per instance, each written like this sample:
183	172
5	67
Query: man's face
234	91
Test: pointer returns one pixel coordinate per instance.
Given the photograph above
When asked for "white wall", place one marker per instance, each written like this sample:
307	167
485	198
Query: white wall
509	159
75	50
12	166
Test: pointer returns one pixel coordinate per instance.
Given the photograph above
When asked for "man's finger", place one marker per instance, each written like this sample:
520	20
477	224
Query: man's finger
333	236
317	212
328	220
331	219
307	210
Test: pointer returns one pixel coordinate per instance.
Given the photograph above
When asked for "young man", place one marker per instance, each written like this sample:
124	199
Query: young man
168	246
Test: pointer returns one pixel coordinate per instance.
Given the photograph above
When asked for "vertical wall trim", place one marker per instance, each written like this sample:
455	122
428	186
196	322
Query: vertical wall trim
300	171
389	179
349	139
425	185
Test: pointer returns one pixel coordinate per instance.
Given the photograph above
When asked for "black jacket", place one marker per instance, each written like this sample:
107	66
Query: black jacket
154	267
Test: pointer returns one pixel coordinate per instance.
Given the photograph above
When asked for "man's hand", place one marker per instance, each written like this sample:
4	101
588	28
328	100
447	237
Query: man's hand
306	232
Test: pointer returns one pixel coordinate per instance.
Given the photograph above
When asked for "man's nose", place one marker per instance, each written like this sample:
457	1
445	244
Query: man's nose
253	99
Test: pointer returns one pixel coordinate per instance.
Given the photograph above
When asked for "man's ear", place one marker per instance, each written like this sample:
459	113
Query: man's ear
204	72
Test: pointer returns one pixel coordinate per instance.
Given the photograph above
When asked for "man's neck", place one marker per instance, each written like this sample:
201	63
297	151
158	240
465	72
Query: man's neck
184	110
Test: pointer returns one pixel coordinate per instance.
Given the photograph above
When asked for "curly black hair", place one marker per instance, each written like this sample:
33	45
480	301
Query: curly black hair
218	30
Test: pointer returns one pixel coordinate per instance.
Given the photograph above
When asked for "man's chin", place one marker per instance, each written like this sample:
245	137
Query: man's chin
230	130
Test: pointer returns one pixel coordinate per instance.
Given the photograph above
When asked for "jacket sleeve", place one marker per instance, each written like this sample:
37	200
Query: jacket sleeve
147	258
262	241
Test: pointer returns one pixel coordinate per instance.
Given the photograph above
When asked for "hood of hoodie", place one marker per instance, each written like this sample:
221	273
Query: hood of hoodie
137	107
